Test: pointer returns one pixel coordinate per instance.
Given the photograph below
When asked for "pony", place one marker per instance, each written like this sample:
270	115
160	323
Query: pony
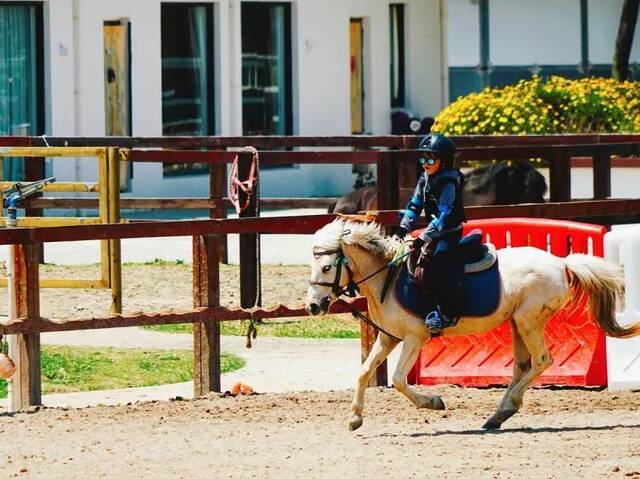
534	285
495	184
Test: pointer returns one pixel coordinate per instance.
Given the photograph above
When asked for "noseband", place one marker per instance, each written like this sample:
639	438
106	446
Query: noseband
351	289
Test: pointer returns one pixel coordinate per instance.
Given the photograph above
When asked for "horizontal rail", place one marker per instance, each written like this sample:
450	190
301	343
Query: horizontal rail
526	152
59	187
300	224
179	203
62	151
43	325
66	283
51	221
393	141
269	158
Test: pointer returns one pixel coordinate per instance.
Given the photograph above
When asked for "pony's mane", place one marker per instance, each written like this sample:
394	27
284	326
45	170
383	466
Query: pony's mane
367	235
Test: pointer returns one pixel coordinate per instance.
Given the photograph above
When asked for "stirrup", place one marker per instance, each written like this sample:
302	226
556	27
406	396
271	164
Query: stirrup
436	321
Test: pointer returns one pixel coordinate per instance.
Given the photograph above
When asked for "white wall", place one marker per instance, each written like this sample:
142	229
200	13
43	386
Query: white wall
541	32
523	32
427	66
320	38
463	33
603	28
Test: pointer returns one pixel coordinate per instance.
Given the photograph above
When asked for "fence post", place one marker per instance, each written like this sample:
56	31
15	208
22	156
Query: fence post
103	210
387	181
601	175
217	193
560	175
206	333
250	278
34	169
115	264
25	388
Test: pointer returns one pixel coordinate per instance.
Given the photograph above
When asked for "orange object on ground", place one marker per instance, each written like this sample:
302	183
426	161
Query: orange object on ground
7	366
240	388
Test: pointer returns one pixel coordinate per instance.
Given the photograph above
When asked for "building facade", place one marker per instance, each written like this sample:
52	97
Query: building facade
226	67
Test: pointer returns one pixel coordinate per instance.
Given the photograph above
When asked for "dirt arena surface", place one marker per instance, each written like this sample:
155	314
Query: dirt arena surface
559	433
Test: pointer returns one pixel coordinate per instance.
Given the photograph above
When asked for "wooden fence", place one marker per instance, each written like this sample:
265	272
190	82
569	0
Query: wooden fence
393	155
395	160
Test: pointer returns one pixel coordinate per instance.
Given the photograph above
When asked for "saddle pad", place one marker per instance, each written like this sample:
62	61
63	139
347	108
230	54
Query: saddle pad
481	293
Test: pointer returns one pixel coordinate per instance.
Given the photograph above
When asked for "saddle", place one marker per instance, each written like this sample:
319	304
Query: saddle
482	285
476	255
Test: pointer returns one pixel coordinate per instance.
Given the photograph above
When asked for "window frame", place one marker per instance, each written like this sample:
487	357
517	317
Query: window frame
399	100
184	169
288	59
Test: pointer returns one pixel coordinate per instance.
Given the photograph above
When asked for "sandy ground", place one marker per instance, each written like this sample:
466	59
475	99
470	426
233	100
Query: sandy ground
559	433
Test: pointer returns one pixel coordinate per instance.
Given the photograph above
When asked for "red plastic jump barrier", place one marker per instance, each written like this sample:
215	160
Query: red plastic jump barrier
576	344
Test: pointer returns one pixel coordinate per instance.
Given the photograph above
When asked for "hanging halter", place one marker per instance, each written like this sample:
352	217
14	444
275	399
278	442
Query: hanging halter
247	186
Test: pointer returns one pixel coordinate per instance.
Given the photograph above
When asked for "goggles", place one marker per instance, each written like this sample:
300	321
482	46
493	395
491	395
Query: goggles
427	160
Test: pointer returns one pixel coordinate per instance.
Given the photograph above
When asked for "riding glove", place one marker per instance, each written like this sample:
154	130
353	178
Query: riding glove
401	233
418	243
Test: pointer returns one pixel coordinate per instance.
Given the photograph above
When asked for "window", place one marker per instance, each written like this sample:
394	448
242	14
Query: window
396	16
187	76
266	69
21	76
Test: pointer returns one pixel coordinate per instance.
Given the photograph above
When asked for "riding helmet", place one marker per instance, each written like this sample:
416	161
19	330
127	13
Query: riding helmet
440	146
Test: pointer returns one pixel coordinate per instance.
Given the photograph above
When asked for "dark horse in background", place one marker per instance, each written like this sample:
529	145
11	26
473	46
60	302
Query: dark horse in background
495	184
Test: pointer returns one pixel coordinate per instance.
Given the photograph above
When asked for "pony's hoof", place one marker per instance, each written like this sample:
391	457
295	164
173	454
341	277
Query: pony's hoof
491	425
355	423
437	403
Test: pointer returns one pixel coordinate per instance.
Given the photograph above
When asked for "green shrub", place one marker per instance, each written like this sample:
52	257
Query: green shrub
554	106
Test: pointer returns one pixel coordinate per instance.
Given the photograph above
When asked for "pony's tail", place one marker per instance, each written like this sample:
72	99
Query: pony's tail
604	283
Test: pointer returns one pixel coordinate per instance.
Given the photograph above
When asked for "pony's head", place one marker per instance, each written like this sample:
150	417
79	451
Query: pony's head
331	269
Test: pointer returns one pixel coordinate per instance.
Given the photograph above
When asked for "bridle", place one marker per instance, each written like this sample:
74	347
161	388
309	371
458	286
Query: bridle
351	289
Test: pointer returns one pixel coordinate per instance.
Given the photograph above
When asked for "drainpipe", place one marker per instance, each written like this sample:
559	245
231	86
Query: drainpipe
485	64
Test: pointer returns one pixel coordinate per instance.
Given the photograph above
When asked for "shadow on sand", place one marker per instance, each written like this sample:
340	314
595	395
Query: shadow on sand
520	430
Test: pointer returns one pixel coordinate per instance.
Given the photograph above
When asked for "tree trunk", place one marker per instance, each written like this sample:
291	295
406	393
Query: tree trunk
626	29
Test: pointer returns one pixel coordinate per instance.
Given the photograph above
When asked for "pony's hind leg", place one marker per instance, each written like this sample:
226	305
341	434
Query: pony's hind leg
380	350
410	350
533	339
521	365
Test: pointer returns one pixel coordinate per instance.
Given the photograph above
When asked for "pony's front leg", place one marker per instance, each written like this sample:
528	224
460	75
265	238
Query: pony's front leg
379	352
408	356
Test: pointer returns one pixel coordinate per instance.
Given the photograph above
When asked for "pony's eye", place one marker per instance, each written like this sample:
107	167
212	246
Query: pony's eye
326	268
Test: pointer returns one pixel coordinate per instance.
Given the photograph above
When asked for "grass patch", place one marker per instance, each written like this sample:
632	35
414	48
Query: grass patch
330	326
71	369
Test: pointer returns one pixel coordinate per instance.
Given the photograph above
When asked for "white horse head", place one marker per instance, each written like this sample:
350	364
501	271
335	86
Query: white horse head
330	269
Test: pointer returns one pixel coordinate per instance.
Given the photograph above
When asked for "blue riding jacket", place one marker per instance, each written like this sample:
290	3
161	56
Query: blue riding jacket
440	196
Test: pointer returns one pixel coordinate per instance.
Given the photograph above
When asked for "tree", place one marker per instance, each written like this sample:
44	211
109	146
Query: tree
624	40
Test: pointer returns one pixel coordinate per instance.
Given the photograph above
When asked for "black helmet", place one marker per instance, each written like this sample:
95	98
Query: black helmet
440	146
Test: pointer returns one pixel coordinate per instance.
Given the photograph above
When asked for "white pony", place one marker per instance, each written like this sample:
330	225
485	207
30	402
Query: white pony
535	284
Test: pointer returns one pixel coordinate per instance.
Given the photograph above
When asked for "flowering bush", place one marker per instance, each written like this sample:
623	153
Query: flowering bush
536	106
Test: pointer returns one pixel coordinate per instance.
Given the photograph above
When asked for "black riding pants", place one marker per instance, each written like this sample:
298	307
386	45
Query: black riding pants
446	273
